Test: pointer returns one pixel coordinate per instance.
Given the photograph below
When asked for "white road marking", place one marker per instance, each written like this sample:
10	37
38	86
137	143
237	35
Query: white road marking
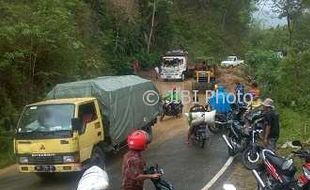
219	174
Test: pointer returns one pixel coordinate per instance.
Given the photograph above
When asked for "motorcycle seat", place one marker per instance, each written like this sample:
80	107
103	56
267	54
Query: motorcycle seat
285	165
276	160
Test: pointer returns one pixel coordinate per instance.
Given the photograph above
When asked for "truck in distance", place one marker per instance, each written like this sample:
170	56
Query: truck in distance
174	65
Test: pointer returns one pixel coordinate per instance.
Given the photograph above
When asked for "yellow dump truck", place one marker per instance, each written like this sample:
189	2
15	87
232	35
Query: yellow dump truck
80	121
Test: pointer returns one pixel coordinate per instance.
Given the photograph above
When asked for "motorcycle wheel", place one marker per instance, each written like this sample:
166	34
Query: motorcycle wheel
202	143
267	182
215	129
232	152
251	160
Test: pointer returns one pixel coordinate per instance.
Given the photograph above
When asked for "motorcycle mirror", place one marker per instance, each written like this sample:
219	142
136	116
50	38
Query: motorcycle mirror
297	143
229	187
162	171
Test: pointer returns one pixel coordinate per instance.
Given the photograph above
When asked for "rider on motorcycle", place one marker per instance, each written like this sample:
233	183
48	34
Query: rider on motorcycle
173	95
134	164
195	108
172	99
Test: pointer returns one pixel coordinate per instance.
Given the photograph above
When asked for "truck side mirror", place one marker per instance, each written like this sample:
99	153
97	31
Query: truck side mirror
8	124
76	124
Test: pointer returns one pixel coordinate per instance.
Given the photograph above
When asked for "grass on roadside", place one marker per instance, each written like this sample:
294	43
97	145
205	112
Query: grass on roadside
294	126
7	156
6	159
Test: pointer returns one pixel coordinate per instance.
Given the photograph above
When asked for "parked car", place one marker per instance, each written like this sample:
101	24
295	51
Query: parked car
231	61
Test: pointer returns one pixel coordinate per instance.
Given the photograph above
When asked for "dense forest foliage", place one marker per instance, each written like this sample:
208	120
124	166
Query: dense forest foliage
284	79
46	42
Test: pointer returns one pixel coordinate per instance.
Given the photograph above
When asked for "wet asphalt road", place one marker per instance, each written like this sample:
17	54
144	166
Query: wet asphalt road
188	167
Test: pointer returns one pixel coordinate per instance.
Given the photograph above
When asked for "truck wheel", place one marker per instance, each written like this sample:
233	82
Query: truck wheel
149	131
97	158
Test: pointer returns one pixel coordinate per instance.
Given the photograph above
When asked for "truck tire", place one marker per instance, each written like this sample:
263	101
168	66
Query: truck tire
97	158
149	131
183	76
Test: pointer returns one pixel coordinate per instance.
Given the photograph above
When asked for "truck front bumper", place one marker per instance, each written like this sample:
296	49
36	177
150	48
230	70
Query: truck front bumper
171	76
72	167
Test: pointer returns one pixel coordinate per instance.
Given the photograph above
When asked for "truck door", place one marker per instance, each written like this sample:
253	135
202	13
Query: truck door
92	132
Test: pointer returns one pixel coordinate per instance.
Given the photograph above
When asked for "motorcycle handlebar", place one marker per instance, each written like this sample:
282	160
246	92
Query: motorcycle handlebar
301	153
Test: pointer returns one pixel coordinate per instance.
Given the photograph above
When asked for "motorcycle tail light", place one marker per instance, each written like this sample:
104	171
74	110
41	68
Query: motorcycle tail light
306	172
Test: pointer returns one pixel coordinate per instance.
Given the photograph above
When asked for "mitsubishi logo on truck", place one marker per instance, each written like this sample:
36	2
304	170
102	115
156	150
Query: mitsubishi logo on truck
42	147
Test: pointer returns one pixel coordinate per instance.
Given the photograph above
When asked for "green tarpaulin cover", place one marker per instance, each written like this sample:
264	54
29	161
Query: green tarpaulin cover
120	98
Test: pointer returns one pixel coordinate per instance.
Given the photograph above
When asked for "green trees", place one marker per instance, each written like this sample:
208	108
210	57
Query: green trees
285	80
46	42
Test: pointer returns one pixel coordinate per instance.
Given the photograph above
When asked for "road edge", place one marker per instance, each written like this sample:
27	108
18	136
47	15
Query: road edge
8	168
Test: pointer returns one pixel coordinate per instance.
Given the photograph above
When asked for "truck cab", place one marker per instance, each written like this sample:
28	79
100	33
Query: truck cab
174	65
60	135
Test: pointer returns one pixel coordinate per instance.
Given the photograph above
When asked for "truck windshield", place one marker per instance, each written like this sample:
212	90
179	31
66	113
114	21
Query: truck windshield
172	62
45	118
230	58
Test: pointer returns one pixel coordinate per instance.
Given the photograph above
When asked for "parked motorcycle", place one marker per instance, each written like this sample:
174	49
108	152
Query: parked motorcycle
160	183
222	122
242	138
200	135
278	172
171	108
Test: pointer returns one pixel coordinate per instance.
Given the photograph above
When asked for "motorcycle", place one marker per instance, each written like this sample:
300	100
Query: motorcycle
222	122
242	138
159	184
171	108
278	172
200	135
200	121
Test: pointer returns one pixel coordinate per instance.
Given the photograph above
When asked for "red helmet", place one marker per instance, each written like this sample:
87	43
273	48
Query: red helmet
137	140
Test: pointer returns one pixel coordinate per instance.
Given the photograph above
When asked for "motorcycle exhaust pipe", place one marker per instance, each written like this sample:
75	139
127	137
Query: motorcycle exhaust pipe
227	142
259	179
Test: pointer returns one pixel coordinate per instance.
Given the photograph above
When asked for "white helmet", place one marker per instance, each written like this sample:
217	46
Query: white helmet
94	178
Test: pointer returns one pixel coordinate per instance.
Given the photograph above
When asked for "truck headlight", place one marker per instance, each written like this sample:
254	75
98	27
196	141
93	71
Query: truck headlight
69	158
23	160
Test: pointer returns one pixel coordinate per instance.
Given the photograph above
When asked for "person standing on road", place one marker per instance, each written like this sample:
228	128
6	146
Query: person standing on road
255	90
133	175
157	72
220	101
271	124
255	93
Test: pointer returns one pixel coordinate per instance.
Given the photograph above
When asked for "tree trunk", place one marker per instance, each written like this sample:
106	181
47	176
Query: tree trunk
152	27
290	30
